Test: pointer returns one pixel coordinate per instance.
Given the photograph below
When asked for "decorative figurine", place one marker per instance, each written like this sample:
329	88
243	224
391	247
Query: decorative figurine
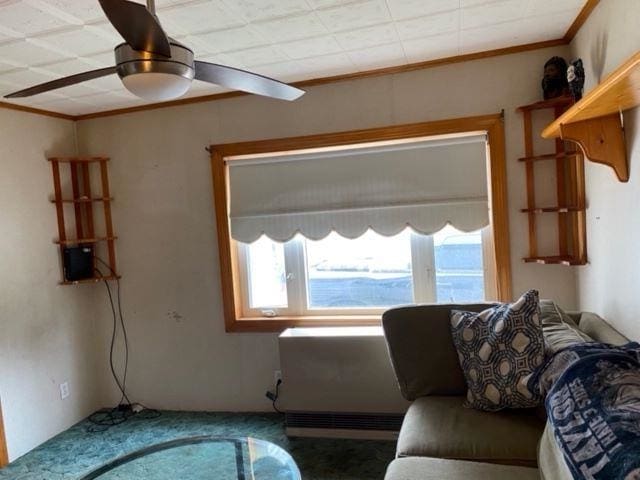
554	82
575	77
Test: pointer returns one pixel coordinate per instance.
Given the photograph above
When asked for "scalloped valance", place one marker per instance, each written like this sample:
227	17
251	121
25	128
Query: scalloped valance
423	185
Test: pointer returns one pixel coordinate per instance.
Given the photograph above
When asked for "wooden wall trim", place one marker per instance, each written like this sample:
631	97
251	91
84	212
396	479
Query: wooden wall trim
498	201
492	125
580	20
4	453
37	111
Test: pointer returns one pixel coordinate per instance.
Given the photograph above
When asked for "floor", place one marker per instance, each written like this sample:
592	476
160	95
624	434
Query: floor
83	447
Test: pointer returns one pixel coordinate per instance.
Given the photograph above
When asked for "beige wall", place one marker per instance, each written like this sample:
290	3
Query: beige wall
46	330
181	357
609	284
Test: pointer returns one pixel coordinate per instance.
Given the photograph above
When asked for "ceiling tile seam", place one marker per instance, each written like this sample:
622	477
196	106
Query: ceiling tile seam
532	17
238	12
56	12
395	29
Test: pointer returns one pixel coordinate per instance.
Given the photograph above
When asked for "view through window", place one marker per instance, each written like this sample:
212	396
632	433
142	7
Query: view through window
369	272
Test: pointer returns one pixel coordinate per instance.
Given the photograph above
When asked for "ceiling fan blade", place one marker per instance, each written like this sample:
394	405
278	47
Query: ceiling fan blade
137	25
62	82
237	79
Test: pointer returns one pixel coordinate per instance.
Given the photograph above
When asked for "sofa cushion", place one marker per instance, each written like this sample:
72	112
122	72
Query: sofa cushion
499	349
558	328
421	350
439	469
442	427
550	313
598	329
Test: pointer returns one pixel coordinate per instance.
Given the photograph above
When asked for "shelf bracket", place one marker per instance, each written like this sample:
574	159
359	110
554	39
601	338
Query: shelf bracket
602	141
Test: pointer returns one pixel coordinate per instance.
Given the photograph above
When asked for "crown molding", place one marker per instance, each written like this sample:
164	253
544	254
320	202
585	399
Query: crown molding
37	111
580	19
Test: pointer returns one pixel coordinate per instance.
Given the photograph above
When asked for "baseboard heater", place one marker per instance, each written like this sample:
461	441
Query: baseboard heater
343	425
338	383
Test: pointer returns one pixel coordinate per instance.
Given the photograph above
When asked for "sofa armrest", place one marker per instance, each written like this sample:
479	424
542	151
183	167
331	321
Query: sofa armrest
421	349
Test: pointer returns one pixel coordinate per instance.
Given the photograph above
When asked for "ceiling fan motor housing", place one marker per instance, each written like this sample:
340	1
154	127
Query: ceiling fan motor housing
155	77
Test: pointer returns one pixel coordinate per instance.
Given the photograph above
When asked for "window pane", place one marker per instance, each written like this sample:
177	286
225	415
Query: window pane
459	270
267	275
370	271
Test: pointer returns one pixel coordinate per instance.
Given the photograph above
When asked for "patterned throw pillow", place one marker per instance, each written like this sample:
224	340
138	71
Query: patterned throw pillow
499	349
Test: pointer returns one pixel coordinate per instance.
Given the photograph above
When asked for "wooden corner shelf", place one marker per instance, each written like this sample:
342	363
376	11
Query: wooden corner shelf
90	280
83	200
552	210
548	156
84	241
555	260
595	122
78	159
570	192
544	104
85	208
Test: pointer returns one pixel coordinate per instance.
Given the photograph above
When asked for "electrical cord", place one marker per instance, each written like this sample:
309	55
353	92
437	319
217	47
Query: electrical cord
121	385
106	418
274	396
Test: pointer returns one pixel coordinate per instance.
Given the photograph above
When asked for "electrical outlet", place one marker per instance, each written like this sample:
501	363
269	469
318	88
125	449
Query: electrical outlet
64	390
277	375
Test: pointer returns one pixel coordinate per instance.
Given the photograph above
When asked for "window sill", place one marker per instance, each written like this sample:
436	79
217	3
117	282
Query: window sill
279	324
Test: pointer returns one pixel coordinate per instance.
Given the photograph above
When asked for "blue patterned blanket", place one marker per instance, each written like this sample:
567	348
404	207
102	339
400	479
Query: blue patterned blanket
593	404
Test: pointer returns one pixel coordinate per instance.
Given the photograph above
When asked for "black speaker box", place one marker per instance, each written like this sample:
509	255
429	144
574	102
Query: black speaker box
78	262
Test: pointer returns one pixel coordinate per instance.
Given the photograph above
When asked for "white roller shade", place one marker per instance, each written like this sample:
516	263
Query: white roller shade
424	185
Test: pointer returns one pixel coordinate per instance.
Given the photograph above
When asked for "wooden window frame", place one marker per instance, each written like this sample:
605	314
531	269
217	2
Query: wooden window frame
4	453
491	125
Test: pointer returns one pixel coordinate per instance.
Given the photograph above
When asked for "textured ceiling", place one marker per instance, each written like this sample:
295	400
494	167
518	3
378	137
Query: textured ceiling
41	40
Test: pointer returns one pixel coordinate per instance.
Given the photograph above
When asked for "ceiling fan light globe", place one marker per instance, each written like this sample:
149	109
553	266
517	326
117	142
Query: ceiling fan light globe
154	86
154	77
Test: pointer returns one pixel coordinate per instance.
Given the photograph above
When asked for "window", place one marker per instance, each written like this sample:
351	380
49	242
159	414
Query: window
368	274
297	221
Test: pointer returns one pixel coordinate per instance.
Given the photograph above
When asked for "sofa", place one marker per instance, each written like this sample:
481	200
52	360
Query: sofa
440	438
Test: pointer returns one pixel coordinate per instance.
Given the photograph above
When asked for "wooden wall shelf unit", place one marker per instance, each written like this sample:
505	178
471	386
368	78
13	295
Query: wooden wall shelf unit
85	207
595	122
570	191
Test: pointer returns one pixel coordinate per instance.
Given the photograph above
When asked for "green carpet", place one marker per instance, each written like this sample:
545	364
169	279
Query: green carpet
81	449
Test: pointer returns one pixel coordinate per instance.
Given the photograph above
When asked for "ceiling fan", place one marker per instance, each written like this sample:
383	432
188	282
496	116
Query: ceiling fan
156	67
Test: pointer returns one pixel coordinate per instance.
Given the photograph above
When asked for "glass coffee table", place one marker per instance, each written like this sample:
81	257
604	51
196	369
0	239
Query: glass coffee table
203	457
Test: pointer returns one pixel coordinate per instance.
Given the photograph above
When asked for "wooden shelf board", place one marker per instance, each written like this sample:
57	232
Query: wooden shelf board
78	159
555	260
79	241
83	200
544	104
552	209
619	91
549	156
89	280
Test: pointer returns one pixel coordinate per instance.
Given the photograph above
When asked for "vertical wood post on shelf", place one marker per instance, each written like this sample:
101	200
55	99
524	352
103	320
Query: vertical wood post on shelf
62	234
104	174
531	185
561	192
